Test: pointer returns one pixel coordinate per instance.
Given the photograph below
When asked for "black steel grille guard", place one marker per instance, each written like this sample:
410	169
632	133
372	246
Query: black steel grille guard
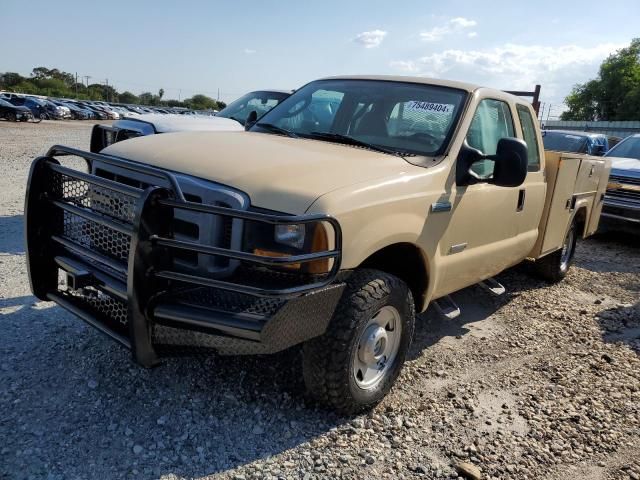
96	211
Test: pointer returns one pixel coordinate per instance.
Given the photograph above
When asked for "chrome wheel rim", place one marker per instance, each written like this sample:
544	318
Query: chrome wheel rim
378	347
565	256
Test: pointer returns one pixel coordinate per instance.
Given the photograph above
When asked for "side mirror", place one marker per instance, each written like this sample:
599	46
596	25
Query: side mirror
251	119
598	150
510	168
511	163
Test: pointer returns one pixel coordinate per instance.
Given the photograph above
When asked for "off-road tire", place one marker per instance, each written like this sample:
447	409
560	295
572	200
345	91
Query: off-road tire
328	360
554	267
11	117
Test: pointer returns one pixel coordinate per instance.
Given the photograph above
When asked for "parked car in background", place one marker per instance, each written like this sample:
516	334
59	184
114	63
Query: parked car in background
98	114
232	118
622	200
575	142
111	114
77	113
36	108
260	101
14	113
55	111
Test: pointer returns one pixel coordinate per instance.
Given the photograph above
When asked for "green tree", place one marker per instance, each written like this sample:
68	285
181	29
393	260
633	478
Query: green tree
160	93
128	97
11	79
147	98
614	95
201	102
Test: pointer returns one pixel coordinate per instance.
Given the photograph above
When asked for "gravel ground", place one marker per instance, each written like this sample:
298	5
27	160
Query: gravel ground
543	382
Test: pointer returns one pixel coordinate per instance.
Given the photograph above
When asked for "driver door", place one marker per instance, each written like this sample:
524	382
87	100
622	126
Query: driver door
481	237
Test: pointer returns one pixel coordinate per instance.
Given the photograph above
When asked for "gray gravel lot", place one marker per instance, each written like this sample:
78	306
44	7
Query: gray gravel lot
542	383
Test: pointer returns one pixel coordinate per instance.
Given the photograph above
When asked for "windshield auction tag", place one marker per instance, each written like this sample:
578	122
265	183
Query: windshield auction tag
430	107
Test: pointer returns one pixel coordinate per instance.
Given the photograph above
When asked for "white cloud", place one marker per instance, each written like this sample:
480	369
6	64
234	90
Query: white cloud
249	51
515	67
472	34
462	22
370	39
454	25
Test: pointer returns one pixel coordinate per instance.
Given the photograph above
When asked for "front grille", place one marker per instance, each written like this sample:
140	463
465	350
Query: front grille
108	310
86	233
203	228
97	238
99	199
624	194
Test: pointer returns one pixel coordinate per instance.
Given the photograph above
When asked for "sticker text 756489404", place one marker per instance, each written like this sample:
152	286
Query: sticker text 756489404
430	107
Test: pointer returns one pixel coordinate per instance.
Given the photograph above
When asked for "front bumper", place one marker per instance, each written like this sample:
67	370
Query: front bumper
621	209
104	251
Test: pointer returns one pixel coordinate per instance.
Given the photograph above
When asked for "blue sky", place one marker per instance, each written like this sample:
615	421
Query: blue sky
188	47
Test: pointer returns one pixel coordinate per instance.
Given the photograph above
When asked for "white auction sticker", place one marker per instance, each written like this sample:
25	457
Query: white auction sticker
431	107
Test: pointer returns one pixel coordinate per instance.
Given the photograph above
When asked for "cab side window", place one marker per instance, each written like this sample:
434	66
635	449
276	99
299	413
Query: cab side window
530	138
491	122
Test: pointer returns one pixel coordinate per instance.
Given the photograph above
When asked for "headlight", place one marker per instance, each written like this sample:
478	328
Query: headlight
289	240
292	235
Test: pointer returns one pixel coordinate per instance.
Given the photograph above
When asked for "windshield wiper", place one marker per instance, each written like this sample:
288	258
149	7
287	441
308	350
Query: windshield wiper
276	129
347	140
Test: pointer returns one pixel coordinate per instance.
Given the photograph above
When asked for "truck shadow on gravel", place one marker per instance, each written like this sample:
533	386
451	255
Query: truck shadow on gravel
11	235
609	252
74	394
621	324
476	308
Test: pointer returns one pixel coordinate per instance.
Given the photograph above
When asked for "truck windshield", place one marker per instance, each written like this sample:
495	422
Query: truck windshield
628	148
260	102
564	142
407	118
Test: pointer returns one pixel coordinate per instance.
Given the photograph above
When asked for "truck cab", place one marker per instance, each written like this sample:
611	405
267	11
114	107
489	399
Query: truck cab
339	215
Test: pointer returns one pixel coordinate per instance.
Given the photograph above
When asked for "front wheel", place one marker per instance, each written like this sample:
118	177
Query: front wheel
554	267
356	362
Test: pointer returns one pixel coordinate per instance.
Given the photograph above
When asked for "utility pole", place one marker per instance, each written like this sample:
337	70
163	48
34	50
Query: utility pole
86	78
76	84
106	92
218	98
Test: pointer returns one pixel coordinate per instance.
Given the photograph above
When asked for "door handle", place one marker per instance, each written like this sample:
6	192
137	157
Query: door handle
521	196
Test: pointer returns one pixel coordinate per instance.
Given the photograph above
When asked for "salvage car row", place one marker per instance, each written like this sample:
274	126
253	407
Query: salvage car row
19	107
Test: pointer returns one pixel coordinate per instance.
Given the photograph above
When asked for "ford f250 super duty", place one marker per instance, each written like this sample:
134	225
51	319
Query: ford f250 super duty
342	213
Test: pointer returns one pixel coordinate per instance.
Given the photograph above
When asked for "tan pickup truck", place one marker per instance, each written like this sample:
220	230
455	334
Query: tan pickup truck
346	210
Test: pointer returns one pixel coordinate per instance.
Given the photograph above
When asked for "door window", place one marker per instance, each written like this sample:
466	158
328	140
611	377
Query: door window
491	122
530	137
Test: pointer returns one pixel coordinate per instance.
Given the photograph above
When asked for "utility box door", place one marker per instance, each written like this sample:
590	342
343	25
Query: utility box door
561	202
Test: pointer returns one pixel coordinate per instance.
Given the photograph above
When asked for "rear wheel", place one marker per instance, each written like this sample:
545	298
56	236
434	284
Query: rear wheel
11	117
554	267
356	362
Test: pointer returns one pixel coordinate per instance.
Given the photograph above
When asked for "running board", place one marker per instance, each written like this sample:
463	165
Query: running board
447	307
493	286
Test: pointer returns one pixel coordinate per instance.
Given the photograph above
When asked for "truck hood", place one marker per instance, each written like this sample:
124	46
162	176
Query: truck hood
165	123
278	173
625	167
